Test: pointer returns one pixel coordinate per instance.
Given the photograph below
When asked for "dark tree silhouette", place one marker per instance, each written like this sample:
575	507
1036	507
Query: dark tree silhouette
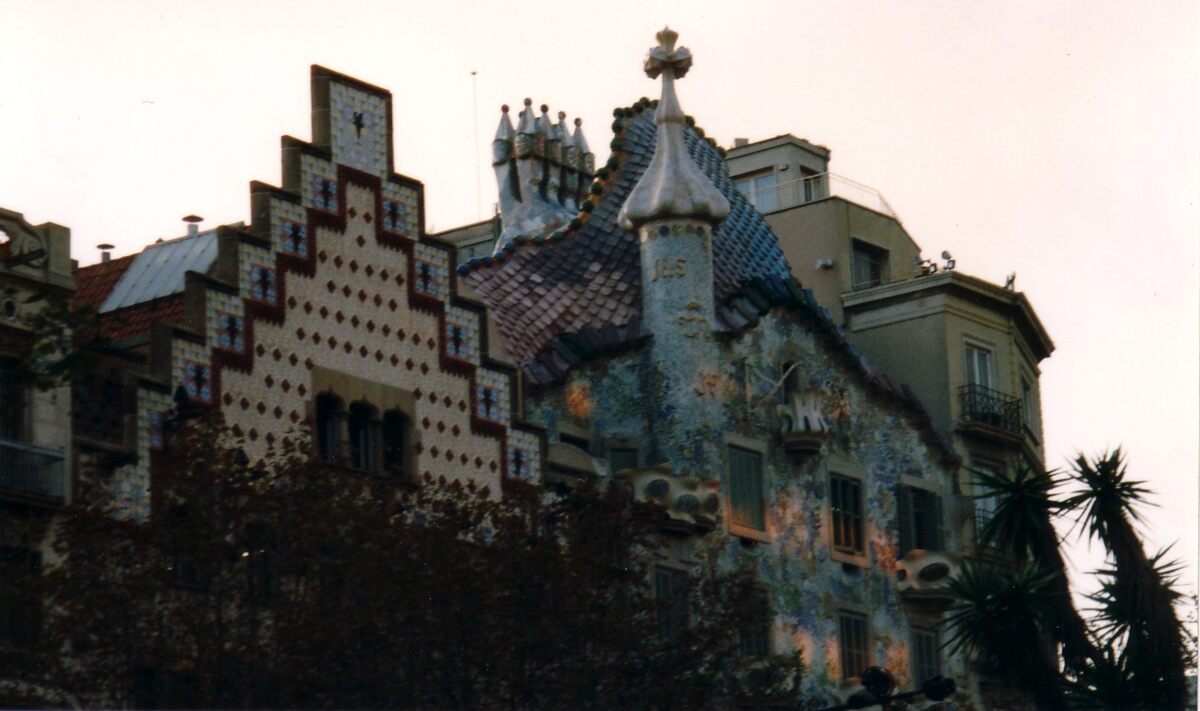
1016	615
304	584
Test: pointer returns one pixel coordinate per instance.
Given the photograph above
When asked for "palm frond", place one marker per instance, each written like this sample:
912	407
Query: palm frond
1020	523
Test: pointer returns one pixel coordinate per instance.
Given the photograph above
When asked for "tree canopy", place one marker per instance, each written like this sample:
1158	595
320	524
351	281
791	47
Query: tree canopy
306	584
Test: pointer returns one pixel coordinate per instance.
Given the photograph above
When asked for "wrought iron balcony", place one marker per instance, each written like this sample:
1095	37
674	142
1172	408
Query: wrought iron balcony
989	407
31	473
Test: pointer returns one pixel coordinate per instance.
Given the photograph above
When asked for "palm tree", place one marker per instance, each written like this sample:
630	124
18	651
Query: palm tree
1021	527
998	618
1134	654
1138	597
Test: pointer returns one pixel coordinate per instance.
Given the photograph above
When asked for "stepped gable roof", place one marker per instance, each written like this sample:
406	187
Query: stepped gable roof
561	296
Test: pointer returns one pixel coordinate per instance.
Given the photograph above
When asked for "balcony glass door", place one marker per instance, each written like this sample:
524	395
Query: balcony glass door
979	367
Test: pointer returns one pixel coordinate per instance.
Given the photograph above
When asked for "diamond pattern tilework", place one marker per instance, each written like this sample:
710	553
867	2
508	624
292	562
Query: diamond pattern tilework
588	287
131	483
400	211
462	334
288	228
261	278
190	367
251	257
491	396
431	269
359	129
524	456
318	183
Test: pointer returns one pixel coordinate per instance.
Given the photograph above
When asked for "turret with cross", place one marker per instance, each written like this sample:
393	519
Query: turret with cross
676	209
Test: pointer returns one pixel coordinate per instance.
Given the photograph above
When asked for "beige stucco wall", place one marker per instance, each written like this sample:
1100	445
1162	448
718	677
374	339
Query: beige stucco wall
823	230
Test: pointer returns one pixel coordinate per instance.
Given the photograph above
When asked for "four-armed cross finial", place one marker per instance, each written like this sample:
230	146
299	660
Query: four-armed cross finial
665	56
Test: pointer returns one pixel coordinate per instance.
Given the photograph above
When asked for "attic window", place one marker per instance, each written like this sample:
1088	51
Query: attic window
760	189
870	265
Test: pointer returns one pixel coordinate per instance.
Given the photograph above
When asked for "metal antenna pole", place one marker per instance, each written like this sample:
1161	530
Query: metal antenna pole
475	122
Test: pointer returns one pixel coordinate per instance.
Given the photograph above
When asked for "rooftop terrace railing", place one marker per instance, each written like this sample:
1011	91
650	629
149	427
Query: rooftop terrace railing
812	188
29	471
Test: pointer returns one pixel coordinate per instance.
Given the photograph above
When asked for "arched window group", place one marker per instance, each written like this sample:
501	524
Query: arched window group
359	436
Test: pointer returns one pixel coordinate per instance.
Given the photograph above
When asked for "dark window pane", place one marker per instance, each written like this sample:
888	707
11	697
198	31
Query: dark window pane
853	642
622	458
846	503
12	401
869	267
746	488
754	639
926	655
363	429
329	427
671	596
395	441
920	520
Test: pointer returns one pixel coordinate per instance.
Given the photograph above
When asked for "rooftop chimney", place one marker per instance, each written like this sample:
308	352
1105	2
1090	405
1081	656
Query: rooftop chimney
193	224
105	251
739	142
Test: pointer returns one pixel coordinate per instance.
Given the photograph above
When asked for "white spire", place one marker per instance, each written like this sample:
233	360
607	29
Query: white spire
672	185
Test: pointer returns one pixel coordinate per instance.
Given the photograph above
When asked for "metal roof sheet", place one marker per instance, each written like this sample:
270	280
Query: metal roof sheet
159	270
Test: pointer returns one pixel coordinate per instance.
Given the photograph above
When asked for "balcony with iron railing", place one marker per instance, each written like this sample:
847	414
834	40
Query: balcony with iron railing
991	408
812	188
31	474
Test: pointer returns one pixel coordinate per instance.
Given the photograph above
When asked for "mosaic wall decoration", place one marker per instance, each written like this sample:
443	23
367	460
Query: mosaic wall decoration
260	279
431	271
318	183
524	456
462	334
809	584
359	130
491	395
400	211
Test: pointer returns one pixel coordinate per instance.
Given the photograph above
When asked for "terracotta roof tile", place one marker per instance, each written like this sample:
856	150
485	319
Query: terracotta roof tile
137	319
94	283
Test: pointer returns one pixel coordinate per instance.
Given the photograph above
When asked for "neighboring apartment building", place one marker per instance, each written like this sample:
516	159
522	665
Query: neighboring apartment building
663	341
969	349
35	423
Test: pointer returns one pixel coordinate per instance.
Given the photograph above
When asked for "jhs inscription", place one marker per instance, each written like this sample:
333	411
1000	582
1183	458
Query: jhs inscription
665	268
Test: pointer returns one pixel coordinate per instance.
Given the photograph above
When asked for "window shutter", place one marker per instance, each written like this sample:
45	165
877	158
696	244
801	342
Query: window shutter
746	488
905	514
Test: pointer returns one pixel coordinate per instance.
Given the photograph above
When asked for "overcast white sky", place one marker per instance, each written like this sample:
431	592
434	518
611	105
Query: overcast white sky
1056	140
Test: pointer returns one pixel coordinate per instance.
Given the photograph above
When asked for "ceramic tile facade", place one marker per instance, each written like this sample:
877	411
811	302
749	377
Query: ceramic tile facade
360	130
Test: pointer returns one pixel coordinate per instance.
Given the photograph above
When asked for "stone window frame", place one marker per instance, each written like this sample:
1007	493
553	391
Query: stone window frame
735	529
386	401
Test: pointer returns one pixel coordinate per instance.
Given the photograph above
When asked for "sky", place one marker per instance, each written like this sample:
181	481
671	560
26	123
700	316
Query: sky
1056	140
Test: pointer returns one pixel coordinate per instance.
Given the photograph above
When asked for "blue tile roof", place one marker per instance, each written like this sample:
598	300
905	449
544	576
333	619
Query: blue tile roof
575	291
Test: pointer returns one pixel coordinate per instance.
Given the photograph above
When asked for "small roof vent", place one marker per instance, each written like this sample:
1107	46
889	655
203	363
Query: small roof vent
105	251
739	142
193	224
